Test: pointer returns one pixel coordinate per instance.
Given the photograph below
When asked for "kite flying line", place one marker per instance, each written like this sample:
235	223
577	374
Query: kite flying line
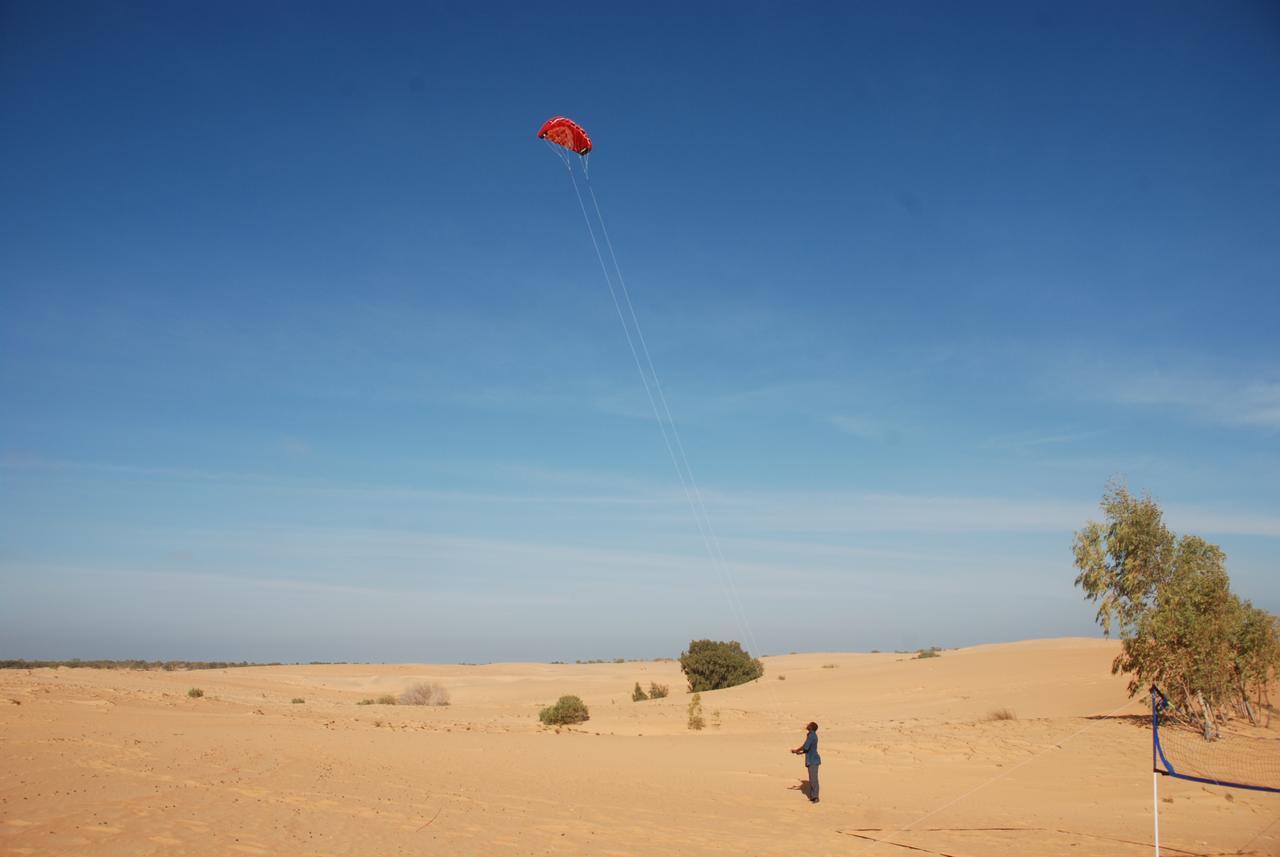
562	137
1003	774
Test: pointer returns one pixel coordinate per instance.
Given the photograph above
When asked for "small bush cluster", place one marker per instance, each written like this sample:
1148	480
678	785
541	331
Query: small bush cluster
695	712
1002	714
931	652
425	693
195	693
829	666
297	700
656	691
365	702
567	710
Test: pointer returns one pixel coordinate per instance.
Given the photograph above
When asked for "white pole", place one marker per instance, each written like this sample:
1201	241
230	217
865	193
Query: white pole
1155	804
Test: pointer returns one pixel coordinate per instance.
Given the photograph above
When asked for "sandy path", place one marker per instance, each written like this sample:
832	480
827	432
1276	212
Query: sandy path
118	762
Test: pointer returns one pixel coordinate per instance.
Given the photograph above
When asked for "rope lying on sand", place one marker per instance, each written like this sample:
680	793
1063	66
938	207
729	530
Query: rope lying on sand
860	833
433	818
1007	772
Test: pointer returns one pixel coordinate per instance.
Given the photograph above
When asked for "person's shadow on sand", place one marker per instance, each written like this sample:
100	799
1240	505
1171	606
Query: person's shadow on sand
802	786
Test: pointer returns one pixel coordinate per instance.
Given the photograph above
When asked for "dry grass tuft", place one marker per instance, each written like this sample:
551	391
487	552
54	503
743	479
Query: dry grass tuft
425	693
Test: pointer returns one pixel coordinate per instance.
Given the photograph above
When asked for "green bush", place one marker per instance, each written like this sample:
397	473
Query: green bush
387	699
569	709
658	691
195	693
931	652
638	695
365	702
297	700
712	665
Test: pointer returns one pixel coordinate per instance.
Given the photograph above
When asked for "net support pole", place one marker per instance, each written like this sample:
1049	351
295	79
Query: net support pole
1155	806
1155	771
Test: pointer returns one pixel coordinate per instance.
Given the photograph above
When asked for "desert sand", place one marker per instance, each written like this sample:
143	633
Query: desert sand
119	762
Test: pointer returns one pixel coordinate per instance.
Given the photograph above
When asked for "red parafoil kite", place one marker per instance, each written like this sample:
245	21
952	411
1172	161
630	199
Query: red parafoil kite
565	132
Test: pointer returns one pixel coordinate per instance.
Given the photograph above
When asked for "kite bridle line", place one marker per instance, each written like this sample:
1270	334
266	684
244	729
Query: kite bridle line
712	541
666	423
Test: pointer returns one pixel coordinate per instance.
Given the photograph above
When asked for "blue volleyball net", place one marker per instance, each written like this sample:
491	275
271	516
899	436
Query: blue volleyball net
1242	755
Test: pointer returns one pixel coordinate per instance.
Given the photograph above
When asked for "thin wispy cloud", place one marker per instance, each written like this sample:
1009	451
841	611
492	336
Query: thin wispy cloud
858	426
641	503
1036	440
1237	400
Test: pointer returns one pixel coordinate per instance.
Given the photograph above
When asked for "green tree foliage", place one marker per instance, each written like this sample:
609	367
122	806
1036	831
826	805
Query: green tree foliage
638	695
569	709
1255	656
712	665
1124	560
1170	601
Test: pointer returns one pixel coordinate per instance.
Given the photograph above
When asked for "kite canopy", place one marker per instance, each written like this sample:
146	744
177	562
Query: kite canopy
565	132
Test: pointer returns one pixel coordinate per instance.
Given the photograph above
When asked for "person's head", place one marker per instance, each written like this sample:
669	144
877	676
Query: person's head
812	727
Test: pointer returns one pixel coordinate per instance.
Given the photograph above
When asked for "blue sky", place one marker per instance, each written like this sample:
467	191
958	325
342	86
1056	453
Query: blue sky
305	354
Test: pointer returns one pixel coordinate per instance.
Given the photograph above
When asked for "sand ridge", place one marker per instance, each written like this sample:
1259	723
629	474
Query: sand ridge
124	762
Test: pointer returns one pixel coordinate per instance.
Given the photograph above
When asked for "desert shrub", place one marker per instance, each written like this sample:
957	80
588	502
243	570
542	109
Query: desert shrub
387	699
425	693
931	652
658	691
781	677
1002	714
695	712
195	693
297	700
829	666
365	702
569	709
638	695
713	664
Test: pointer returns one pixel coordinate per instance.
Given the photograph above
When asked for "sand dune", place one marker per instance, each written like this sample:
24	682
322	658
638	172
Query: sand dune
105	762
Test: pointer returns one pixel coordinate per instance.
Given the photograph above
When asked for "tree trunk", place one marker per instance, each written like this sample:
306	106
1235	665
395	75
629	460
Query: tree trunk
1207	721
1244	697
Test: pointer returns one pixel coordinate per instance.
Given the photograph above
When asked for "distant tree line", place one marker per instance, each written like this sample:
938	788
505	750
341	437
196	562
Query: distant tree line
141	665
1181	627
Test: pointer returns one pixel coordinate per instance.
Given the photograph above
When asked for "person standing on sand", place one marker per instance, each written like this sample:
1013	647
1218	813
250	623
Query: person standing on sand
811	759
